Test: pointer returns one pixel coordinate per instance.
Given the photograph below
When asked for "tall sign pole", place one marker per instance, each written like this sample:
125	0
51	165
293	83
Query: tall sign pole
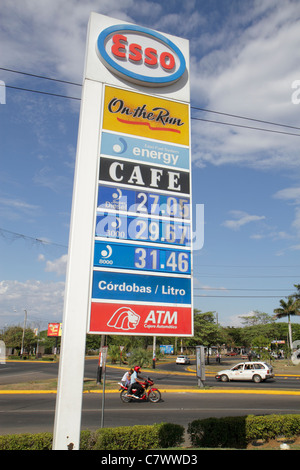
130	248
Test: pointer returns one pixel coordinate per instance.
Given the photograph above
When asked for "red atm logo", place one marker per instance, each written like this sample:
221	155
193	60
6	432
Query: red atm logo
140	55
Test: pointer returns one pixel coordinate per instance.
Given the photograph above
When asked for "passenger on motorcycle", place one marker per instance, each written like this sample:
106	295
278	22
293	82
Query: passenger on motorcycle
125	380
135	382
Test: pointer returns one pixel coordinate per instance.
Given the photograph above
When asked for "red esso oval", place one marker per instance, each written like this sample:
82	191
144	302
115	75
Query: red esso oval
140	55
135	53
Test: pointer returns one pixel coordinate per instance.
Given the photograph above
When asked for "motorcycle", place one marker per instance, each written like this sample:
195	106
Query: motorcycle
149	393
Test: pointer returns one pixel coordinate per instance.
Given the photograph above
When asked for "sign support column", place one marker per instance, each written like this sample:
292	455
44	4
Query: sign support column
71	365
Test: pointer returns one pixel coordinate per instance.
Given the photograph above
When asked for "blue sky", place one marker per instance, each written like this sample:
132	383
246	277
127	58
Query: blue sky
245	58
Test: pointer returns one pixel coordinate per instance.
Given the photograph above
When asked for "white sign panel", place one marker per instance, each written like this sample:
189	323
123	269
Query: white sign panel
135	96
127	55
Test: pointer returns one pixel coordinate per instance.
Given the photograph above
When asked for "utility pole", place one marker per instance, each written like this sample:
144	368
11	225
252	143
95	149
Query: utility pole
154	353
23	335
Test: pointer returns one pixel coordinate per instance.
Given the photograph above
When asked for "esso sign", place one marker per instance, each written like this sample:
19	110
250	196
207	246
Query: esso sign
140	55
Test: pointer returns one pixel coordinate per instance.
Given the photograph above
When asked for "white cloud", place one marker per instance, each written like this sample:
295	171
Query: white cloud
52	34
13	209
49	178
241	218
249	72
293	195
289	194
17	204
250	60
58	266
42	300
296	221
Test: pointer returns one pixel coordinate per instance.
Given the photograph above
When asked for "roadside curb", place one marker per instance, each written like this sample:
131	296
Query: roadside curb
201	391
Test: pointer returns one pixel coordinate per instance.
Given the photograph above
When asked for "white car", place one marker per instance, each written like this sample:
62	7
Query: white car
182	360
255	371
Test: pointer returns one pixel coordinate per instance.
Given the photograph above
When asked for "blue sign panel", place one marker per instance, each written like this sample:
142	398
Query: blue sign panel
145	151
128	256
143	202
128	287
143	229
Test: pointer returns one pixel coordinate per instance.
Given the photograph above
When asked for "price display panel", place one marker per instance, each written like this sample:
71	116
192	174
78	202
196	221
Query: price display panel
143	202
147	258
143	229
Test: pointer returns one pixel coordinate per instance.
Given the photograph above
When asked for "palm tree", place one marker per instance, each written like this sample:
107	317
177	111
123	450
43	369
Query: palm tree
291	307
296	296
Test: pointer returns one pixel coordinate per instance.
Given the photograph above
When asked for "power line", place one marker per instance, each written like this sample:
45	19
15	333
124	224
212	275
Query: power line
194	118
239	289
40	76
245	127
248	266
192	107
239	296
45	242
43	92
26	237
39	240
244	277
244	117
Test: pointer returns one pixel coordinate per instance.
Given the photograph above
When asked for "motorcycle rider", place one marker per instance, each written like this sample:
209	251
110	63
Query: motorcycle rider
135	382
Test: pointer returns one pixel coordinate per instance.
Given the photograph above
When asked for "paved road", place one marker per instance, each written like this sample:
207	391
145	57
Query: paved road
35	412
164	374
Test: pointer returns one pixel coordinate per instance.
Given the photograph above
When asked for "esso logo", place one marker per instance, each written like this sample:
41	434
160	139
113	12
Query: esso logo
140	55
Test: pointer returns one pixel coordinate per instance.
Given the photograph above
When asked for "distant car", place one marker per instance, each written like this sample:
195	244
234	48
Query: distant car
231	353
182	360
255	371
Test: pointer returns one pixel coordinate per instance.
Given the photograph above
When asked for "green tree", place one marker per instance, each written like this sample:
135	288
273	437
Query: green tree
296	296
49	342
261	344
114	353
206	331
92	342
140	357
288	309
12	338
257	318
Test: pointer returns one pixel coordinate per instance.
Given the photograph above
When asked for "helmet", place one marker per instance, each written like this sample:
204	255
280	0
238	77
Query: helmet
137	368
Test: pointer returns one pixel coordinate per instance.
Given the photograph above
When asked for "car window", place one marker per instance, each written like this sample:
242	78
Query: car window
237	367
258	366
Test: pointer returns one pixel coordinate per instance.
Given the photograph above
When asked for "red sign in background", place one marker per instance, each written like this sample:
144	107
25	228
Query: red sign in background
155	320
54	329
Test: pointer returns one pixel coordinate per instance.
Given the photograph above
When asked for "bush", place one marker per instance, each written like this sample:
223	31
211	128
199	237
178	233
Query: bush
41	441
272	426
139	437
170	435
123	438
126	438
218	432
237	432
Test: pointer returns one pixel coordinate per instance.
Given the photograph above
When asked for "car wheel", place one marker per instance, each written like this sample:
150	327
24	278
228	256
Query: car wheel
256	378
224	378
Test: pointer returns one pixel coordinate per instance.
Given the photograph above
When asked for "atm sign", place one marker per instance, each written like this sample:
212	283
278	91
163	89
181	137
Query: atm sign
140	55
